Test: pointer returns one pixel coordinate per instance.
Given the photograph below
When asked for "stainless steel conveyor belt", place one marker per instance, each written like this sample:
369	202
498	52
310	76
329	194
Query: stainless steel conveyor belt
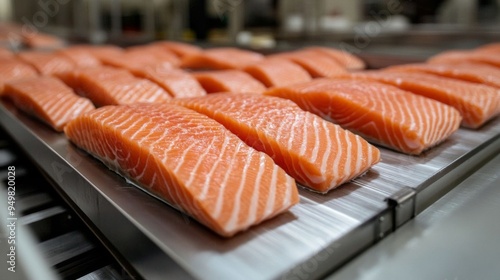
43	236
460	232
312	239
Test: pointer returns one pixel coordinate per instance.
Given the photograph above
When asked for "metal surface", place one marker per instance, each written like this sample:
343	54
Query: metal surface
403	202
455	238
316	236
105	273
65	247
28	263
50	241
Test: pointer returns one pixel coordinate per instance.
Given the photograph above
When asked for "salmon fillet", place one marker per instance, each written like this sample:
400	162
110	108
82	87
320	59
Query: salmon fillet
120	61
12	69
178	48
102	51
152	53
42	41
48	99
493	48
110	86
176	82
316	153
130	64
277	72
317	64
10	33
472	72
190	161
344	58
381	113
80	56
135	61
228	81
220	59
477	103
454	57
47	63
4	53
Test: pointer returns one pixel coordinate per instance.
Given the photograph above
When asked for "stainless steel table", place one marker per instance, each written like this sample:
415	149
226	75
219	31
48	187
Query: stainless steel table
315	237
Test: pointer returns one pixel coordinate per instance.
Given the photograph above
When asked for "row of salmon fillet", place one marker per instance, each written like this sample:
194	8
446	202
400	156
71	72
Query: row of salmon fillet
27	37
226	134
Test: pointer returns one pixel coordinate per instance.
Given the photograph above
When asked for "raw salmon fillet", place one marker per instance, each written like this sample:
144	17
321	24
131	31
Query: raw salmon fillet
277	72
220	59
4	53
12	69
316	153
493	48
137	60
110	86
130	64
229	81
152	52
80	56
47	63
465	56
48	99
477	103
102	51
472	72
42	41
189	160
180	49
315	63
176	82
9	28
345	58
10	33
381	113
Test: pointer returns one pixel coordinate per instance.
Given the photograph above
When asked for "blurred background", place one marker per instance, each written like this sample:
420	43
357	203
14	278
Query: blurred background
356	25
